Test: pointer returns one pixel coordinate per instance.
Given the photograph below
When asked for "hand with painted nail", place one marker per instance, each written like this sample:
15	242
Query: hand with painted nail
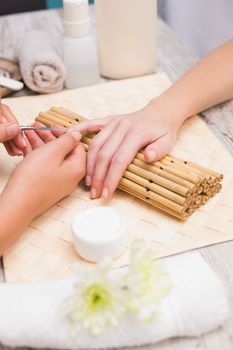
10	132
120	138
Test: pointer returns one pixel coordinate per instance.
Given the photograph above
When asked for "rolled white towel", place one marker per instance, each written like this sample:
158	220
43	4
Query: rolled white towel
31	314
41	67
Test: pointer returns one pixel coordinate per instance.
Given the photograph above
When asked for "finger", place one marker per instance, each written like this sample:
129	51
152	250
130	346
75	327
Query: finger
10	118
8	148
16	151
94	125
20	141
45	135
75	162
94	148
33	139
63	145
8	131
122	158
58	133
7	144
7	114
159	148
105	156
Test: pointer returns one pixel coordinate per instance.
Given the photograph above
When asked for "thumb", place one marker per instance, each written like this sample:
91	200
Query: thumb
8	131
159	148
65	144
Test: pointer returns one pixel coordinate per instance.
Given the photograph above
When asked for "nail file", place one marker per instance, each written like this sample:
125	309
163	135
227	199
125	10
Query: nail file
11	83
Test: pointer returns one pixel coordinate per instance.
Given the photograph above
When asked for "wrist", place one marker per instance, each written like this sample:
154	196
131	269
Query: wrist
169	109
16	206
14	218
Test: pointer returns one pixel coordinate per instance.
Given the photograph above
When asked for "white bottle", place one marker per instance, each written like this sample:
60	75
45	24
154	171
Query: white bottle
80	52
126	35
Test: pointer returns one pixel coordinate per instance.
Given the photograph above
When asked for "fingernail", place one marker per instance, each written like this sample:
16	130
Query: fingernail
12	130
24	142
88	180
93	193
151	155
105	193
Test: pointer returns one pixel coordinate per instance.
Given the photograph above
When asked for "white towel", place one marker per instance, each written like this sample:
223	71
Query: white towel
41	67
30	315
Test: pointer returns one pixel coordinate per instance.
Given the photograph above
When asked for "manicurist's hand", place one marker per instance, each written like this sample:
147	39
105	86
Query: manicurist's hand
120	138
10	132
45	175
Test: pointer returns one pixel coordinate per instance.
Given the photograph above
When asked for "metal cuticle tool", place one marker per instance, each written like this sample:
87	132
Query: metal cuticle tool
45	128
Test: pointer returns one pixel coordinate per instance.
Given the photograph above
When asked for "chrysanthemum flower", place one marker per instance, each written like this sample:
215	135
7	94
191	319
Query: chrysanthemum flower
102	297
98	300
147	282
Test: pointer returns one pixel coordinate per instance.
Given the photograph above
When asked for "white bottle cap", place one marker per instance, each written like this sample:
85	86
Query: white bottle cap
99	232
77	21
11	83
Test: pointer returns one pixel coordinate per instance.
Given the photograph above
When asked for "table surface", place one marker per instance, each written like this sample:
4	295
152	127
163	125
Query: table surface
174	58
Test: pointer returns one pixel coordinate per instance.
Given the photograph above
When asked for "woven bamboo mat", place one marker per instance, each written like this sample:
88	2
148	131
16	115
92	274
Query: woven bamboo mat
45	249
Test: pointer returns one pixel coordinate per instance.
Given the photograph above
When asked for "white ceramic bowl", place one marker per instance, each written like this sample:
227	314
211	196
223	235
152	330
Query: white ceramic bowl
99	232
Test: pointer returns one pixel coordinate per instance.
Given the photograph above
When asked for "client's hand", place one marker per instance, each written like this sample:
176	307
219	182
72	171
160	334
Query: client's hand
10	133
119	139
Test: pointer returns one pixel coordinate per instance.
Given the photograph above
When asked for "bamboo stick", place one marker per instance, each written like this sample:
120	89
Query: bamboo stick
206	188
183	216
204	199
66	112
44	121
140	161
54	120
172	186
180	172
57	115
151	195
156	188
182	164
208	171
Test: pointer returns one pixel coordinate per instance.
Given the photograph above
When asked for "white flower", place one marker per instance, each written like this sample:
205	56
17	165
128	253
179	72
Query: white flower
102	297
98	300
147	282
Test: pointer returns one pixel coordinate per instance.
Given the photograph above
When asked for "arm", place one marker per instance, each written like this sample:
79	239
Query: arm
46	175
155	126
206	84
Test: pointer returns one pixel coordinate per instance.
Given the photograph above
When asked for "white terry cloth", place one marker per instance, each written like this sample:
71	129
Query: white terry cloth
30	315
41	67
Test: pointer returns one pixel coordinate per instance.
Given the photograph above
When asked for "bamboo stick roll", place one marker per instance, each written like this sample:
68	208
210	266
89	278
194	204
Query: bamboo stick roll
173	185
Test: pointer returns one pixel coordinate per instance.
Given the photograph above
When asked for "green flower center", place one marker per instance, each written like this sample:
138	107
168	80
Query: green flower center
97	297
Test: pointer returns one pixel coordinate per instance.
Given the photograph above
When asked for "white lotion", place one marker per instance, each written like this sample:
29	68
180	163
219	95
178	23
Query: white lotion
99	232
80	52
126	35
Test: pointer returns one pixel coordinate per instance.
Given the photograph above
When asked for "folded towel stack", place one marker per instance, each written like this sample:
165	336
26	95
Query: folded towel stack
31	314
41	67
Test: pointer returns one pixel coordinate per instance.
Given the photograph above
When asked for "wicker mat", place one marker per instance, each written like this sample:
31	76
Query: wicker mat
45	249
